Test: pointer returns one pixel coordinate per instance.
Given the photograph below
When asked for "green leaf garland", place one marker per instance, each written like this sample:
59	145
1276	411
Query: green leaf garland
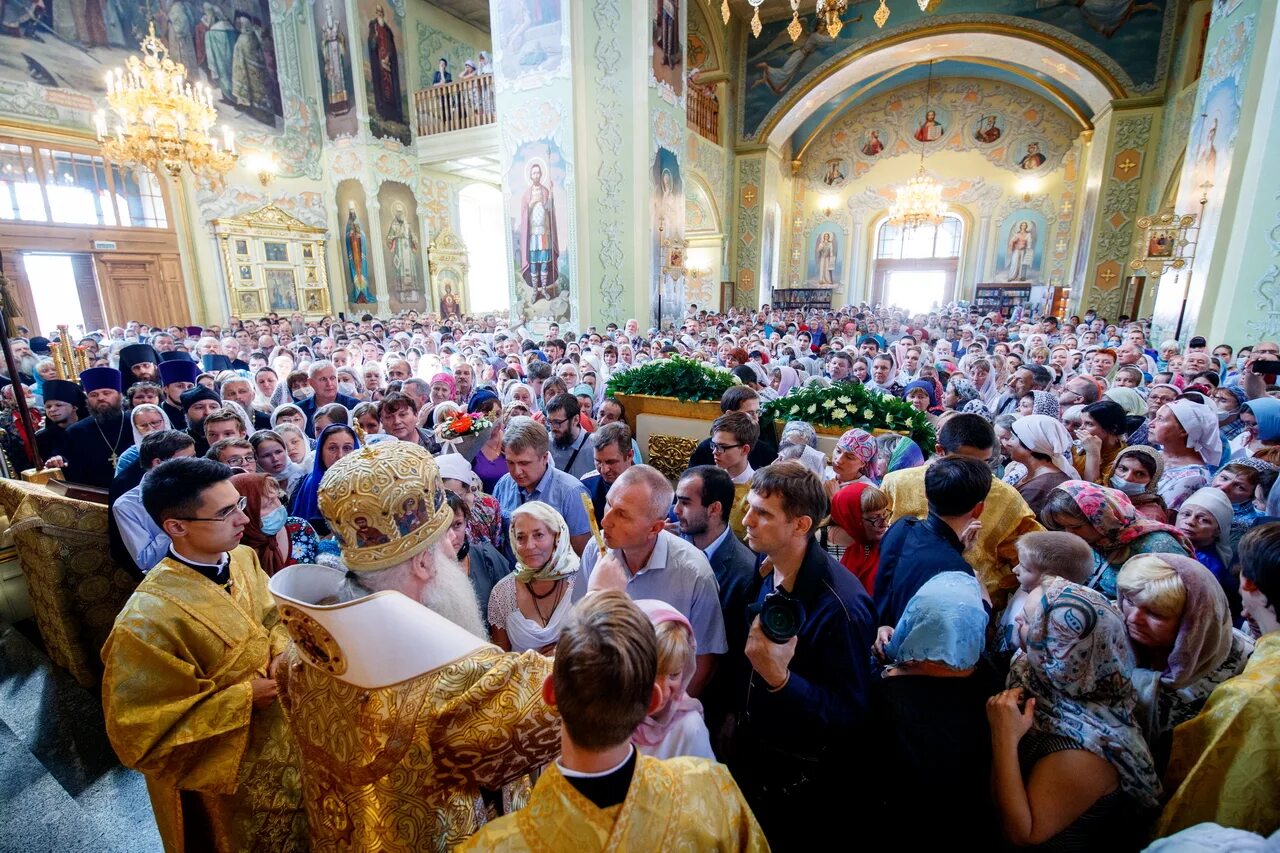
849	404
686	379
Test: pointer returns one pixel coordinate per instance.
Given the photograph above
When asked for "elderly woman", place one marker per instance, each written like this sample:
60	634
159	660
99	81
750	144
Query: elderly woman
145	419
1187	433
278	538
1108	522
922	395
482	563
1040	443
1039	403
1070	768
1179	621
527	609
930	731
1261	419
1229	400
894	453
959	392
484	514
1206	518
854	451
800	442
859	519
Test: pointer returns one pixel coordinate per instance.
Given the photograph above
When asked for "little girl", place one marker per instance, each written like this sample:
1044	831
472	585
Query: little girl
675	727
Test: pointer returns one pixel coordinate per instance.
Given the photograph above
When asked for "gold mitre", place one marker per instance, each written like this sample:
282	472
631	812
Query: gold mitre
384	503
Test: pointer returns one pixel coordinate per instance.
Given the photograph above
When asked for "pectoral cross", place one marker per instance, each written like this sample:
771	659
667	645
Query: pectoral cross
113	458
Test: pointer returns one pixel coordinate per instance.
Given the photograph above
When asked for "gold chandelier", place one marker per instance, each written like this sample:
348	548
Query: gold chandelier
161	120
829	12
919	201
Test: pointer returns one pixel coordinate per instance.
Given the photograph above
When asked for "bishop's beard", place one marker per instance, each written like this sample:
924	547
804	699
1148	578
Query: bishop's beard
449	593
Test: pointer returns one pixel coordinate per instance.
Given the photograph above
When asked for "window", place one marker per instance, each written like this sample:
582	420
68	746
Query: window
481	217
76	188
916	268
940	241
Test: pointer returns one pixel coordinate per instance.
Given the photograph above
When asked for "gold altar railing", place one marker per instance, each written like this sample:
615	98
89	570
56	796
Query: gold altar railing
703	114
459	105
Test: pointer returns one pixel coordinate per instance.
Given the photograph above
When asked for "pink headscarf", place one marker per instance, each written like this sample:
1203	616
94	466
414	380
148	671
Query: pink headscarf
654	729
447	379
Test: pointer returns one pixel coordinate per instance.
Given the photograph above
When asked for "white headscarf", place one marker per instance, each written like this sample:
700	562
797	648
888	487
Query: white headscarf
146	407
1043	434
563	563
1201	424
1219	505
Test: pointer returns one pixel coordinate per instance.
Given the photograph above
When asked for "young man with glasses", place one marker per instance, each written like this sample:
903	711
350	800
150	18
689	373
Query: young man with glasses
188	688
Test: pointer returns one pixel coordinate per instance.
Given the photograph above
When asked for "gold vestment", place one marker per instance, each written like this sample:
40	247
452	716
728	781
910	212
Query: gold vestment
178	703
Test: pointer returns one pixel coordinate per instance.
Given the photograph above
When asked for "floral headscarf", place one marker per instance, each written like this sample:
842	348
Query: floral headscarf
964	389
563	563
1078	665
859	442
1044	403
977	407
1117	523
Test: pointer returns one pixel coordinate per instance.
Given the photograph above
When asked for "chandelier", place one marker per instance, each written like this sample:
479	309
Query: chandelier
161	120
919	202
829	14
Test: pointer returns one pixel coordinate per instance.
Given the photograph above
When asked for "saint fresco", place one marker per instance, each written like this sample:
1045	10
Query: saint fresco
384	71
334	46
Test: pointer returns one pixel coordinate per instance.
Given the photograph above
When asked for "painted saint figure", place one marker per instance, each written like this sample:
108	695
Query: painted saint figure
219	46
249	84
1022	251
835	172
384	62
335	61
873	145
666	33
403	246
357	259
929	130
987	131
1033	159
826	255
539	240
449	306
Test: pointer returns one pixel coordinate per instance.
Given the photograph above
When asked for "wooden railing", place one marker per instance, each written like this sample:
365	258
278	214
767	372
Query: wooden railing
703	113
459	105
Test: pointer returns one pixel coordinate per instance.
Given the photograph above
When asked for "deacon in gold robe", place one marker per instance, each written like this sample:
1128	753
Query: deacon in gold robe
403	717
1005	517
187	694
602	794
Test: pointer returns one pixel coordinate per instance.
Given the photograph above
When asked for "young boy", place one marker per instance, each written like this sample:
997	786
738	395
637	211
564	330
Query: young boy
1042	555
1242	482
600	792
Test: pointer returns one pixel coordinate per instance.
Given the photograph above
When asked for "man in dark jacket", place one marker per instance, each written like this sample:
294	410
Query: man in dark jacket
916	549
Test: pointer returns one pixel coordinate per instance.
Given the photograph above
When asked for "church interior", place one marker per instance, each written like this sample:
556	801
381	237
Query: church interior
585	163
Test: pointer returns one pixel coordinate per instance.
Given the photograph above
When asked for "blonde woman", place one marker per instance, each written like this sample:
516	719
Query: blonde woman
528	608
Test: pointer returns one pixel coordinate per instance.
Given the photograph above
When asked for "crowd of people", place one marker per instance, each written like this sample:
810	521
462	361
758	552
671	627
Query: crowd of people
1058	626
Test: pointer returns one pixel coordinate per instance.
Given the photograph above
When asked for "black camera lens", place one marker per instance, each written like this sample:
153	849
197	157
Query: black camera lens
781	616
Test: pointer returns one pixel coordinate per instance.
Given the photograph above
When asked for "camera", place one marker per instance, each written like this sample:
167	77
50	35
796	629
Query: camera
781	615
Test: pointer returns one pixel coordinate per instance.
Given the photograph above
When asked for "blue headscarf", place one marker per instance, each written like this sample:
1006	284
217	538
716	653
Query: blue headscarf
944	622
305	502
1266	410
925	385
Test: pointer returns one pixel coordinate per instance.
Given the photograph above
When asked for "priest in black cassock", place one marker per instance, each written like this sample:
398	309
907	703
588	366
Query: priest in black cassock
177	376
92	446
64	406
138	363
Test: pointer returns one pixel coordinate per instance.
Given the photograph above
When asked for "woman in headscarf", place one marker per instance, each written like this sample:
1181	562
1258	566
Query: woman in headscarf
1206	518
959	392
1108	522
859	519
800	442
783	379
1071	769
930	724
288	413
528	608
335	442
1187	433
1159	395
1130	400
272	454
894	453
854	451
676	727
1261	418
278	538
145	419
1039	403
920	393
1040	443
1179	621
1228	401
1137	473
1100	437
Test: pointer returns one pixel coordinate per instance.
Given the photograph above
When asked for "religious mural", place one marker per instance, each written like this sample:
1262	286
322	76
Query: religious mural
353	217
226	44
666	49
532	36
537	208
336	86
381	22
1129	32
401	247
667	291
1021	250
825	244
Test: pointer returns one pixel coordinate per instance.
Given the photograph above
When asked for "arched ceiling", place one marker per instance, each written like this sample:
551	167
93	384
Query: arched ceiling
1038	82
1082	88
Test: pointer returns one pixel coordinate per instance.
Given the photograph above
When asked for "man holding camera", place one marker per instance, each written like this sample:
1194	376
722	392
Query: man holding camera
806	677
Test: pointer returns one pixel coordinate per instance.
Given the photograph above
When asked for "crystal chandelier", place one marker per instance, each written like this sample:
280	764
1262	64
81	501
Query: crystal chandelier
161	121
919	202
829	12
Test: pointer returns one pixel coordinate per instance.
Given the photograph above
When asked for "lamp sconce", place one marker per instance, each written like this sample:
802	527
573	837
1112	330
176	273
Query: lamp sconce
264	165
829	203
1028	186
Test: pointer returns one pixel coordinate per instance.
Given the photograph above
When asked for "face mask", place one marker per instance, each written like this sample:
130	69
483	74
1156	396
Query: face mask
1125	486
347	388
1240	362
273	521
1223	417
304	393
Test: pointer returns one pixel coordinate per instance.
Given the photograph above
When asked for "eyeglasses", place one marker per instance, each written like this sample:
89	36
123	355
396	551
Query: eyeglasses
879	519
723	448
239	461
557	423
225	514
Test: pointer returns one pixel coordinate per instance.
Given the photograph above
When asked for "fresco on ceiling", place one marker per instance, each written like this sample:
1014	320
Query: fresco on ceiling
228	46
1125	31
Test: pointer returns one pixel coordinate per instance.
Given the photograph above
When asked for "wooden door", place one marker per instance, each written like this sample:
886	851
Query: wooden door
143	287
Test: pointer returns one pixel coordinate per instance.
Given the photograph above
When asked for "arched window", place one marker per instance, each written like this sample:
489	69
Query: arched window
916	267
481	218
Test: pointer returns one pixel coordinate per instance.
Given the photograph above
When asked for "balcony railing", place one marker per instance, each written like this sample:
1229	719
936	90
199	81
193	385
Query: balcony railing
703	113
459	105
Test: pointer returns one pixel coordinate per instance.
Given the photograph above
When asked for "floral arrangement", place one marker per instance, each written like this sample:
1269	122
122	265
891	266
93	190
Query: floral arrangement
849	404
686	379
463	426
